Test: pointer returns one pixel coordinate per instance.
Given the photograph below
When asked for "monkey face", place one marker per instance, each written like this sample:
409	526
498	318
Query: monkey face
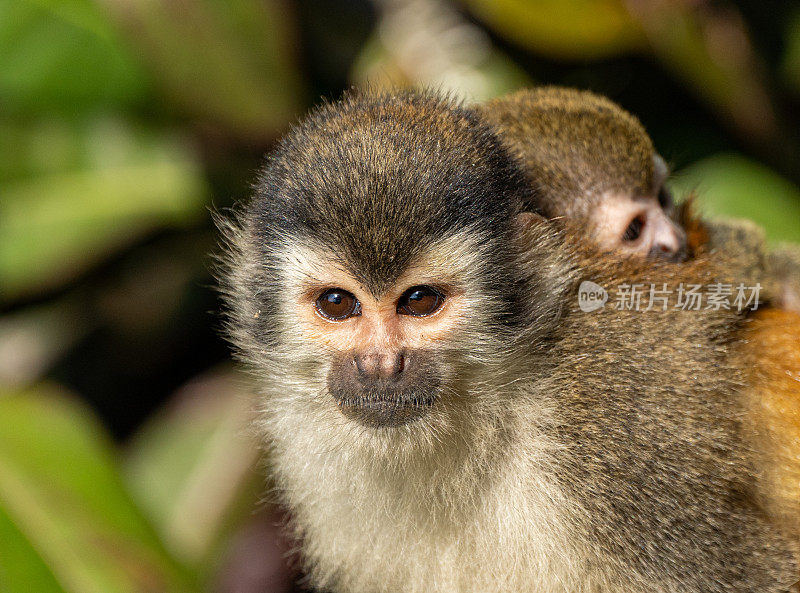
637	226
640	225
373	282
383	370
386	355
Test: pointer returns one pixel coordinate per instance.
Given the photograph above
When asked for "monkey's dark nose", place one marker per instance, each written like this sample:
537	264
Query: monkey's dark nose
380	365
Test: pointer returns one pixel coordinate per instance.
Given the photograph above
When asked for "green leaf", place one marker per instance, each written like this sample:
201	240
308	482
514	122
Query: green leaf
66	522
63	56
573	29
191	468
116	185
731	185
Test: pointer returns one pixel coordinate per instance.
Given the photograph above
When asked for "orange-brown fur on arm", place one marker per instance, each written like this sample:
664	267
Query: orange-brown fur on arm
770	354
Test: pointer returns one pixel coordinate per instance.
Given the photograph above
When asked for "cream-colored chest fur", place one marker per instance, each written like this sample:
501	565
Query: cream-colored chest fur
477	511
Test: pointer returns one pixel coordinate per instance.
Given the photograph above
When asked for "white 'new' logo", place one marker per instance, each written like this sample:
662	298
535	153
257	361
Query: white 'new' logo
591	296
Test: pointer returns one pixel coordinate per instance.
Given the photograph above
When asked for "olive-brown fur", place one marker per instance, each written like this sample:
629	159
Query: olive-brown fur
573	145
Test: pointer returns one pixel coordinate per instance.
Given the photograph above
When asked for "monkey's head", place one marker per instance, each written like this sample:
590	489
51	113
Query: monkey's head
592	162
375	272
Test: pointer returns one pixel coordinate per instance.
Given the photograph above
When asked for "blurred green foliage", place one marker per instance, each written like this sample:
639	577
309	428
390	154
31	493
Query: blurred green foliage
122	123
579	29
111	185
191	466
67	522
65	57
734	186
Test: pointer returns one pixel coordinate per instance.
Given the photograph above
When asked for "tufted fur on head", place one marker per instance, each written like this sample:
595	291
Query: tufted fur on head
568	452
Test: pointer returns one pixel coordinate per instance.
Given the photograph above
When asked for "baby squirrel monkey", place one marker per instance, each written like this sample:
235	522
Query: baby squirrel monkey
592	162
440	415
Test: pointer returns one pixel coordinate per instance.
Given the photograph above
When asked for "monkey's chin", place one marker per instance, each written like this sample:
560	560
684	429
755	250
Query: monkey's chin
386	409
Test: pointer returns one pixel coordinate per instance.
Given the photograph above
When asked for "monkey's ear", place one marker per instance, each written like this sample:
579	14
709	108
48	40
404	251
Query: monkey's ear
660	171
526	220
524	225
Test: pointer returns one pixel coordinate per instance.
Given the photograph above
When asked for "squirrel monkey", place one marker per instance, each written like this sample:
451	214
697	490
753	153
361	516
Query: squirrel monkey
591	161
439	413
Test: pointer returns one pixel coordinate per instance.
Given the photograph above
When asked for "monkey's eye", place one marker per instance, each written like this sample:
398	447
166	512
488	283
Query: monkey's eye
634	229
420	301
337	305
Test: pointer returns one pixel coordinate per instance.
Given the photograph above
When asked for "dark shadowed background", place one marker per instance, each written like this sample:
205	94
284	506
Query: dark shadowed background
124	464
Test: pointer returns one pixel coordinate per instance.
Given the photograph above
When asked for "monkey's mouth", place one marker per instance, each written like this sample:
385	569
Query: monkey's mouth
386	408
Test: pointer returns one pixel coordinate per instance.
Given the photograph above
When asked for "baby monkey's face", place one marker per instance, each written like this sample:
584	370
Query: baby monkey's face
640	225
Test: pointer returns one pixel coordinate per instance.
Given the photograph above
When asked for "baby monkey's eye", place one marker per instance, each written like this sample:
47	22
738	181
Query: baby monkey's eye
634	229
420	301
337	305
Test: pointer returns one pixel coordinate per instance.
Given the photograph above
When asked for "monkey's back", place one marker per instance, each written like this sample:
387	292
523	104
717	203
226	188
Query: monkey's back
654	429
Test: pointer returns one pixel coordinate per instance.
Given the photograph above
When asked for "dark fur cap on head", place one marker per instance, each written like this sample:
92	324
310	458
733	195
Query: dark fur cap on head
377	178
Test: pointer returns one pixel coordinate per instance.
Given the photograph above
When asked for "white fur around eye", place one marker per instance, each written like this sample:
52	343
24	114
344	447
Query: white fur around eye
611	217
